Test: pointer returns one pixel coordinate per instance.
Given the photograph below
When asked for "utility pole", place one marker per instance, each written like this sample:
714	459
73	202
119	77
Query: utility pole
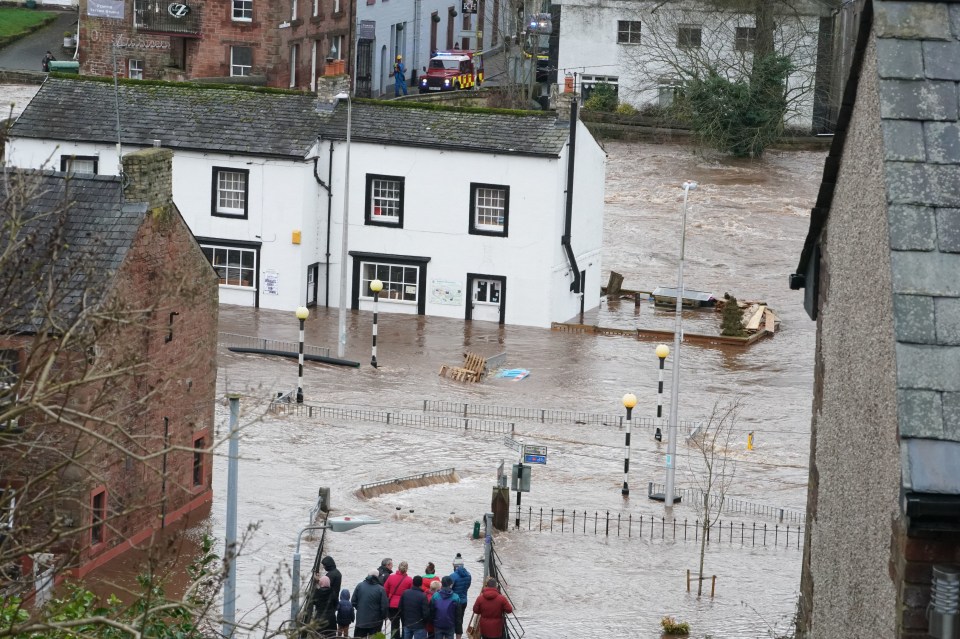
230	552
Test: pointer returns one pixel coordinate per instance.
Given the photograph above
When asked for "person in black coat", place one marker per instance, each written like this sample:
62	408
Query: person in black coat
335	577
324	607
414	610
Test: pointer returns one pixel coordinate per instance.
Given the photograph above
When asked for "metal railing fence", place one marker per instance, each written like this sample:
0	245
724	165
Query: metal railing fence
749	534
248	341
416	420
396	480
735	506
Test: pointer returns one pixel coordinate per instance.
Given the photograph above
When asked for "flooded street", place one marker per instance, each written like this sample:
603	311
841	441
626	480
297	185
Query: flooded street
746	226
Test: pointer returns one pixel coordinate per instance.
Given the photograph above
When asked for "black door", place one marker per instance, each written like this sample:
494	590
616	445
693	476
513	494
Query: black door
364	68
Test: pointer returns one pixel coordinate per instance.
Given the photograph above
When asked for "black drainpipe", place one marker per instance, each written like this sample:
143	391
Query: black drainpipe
568	214
326	185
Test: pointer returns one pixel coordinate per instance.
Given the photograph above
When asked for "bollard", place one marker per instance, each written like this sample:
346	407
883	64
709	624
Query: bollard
713	586
688	580
476	529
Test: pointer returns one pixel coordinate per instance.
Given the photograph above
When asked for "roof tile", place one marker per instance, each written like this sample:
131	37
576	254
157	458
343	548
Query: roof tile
917	273
948	230
899	59
914	320
918	100
929	20
920	413
948	321
912	228
940	60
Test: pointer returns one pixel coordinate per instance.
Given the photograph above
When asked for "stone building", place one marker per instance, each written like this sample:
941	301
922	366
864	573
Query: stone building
880	271
281	44
107	364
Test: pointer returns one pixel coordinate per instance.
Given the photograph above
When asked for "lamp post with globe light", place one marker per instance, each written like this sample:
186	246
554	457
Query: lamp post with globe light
376	286
302	314
629	401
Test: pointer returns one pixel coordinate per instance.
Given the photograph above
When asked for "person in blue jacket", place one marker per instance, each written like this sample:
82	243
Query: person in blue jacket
399	77
461	584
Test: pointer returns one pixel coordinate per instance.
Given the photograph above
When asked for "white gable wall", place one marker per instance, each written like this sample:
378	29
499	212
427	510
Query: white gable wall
283	197
588	46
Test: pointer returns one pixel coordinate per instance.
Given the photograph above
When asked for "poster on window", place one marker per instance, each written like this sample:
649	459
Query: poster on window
271	283
446	292
105	9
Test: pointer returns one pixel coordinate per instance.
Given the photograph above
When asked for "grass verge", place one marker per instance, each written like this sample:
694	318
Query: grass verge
16	23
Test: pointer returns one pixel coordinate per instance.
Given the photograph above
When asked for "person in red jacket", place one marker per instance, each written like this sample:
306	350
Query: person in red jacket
491	606
395	585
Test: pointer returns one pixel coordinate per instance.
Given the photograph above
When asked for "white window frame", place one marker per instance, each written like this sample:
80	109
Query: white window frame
294	59
385	200
491	285
338	42
336	7
229	270
316	8
74	164
293	10
13	356
7	508
397	291
631	36
135	69
242	10
230	186
240	70
488	202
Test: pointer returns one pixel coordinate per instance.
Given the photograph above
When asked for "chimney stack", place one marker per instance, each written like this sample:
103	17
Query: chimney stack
328	88
148	177
564	100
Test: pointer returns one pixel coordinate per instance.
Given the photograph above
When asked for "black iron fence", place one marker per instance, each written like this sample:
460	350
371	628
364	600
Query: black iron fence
733	505
416	420
446	472
248	341
637	526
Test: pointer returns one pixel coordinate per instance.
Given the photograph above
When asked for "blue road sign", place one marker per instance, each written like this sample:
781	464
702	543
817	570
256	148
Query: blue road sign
535	459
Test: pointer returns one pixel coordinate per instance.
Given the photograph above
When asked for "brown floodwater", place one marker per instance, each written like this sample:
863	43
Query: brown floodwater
746	226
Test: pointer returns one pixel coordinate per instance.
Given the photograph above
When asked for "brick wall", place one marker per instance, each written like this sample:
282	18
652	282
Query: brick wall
307	29
913	561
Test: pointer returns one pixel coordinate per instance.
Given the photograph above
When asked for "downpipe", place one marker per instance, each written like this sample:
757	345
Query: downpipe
326	187
577	285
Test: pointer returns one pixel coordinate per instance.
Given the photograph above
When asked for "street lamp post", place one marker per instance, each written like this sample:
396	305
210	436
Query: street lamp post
675	377
662	352
336	524
302	315
376	286
629	401
342	331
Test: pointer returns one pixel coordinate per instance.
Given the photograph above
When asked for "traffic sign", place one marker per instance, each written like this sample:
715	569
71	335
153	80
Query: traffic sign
533	449
509	442
534	459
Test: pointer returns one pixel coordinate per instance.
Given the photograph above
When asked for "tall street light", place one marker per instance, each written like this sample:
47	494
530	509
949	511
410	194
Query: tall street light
342	334
376	286
302	314
675	378
629	401
336	524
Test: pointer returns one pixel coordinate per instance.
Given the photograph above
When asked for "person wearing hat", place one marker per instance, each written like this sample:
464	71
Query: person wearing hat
461	584
399	77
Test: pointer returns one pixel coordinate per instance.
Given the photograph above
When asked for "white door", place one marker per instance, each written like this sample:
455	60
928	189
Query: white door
487	296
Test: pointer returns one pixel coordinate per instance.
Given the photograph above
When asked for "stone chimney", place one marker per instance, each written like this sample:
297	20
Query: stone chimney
328	87
148	177
563	102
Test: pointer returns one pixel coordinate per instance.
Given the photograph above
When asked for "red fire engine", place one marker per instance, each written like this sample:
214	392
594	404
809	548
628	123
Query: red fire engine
452	71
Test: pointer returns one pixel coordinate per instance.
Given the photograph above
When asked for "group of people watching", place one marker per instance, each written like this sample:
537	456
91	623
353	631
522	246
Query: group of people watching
416	607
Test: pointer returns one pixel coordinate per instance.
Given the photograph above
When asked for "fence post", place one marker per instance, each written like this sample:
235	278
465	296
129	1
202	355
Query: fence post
608	523
764	535
713	586
573	526
618	524
629	524
688	580
551	520
562	513
541	519
684	529
786	542
594	522
776	534
464	409
541	415
529	517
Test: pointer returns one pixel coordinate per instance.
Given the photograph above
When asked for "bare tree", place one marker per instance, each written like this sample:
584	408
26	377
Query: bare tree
712	469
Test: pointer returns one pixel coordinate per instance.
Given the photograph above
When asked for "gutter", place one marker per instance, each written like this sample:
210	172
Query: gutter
576	286
326	186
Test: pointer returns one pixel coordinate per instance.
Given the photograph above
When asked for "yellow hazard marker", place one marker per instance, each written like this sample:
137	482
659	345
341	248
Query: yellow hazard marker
750	441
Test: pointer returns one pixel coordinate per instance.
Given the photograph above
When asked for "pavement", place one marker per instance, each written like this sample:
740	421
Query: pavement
26	53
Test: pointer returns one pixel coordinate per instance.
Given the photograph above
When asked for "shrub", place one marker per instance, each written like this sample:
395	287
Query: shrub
672	627
731	325
626	109
603	98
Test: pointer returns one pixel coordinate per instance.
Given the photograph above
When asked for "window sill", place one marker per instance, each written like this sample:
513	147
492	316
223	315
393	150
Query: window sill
391	300
237	287
230	216
317	19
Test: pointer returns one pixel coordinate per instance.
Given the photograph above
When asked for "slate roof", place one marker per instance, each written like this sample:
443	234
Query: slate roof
448	128
95	232
181	117
918	67
265	123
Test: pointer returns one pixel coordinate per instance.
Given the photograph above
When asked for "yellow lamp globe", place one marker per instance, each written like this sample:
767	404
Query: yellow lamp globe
376	286
302	312
629	400
663	351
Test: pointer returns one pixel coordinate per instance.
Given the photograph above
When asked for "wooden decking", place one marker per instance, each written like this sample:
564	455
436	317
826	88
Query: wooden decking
659	335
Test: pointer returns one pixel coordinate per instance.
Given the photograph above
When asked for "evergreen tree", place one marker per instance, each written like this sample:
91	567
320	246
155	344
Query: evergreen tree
732	323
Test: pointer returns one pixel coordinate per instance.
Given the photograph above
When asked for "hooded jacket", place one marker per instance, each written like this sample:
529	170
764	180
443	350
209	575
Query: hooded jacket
444	615
461	583
414	609
370	600
345	614
324	607
491	606
335	577
396	584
